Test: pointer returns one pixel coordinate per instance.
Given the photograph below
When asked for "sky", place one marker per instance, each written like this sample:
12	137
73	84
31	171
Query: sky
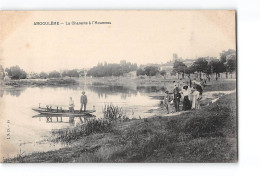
136	36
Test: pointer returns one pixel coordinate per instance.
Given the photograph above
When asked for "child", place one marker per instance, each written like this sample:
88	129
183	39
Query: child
167	101
71	105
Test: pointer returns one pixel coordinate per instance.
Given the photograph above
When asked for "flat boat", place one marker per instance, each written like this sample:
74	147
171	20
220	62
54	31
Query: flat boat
59	112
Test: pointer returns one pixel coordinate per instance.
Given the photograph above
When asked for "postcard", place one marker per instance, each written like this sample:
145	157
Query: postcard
118	86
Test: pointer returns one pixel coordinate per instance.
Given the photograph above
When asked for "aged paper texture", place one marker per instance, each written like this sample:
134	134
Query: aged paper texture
118	86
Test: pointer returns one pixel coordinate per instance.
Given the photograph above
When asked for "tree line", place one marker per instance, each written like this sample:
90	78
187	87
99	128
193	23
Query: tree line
55	74
102	70
226	63
15	72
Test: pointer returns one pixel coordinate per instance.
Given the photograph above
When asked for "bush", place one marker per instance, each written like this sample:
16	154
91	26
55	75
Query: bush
43	75
61	82
113	113
54	74
71	73
68	135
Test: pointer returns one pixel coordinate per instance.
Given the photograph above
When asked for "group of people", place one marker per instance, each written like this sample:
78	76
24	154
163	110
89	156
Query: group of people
83	102
190	94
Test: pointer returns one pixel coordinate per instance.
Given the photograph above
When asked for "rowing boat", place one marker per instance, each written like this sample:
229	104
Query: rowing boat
59	112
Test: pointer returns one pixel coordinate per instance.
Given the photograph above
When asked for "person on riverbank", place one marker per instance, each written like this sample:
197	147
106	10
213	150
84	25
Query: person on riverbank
176	97
199	88
186	101
167	101
189	82
71	105
83	101
197	95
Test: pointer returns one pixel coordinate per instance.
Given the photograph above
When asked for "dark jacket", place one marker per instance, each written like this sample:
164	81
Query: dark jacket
83	99
176	93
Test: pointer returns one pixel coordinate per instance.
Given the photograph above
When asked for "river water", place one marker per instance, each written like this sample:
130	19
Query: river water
25	133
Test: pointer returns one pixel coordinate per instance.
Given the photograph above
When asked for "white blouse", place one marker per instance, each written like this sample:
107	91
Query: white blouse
185	92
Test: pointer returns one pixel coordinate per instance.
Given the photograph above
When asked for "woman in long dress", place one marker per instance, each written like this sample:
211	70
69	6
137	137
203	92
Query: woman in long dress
186	100
196	99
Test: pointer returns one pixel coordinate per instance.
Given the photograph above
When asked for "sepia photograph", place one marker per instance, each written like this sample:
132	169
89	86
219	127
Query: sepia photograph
118	86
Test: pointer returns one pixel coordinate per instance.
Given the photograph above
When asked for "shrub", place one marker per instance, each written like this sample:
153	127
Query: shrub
68	135
113	113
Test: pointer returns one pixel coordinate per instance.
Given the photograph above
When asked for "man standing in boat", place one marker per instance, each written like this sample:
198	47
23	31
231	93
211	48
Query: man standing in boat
83	101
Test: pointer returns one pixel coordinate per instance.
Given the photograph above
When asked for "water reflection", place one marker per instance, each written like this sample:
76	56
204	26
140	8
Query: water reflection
13	91
64	119
104	90
17	91
150	89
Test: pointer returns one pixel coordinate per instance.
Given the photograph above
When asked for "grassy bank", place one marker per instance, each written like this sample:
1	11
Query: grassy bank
41	82
205	135
145	81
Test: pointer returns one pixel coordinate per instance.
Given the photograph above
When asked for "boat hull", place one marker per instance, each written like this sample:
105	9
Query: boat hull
44	111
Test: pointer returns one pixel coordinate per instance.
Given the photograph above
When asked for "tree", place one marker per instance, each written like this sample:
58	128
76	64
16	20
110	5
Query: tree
112	69
215	66
189	70
54	74
43	75
151	71
225	54
179	67
2	72
140	72
15	72
231	64
70	73
201	65
163	73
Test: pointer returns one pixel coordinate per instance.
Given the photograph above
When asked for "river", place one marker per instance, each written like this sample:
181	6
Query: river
25	133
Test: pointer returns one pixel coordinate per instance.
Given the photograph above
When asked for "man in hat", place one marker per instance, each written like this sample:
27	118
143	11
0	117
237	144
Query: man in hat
83	101
176	96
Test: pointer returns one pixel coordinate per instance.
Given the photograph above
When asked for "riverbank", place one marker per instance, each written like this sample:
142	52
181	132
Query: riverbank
41	82
205	135
154	81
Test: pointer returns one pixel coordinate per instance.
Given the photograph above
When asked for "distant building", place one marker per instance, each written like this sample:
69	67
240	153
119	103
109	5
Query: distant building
174	57
166	67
